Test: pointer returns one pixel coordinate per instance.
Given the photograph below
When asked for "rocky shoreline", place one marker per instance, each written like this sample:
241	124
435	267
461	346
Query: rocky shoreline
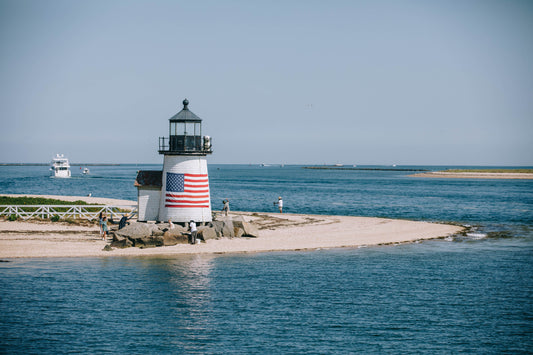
149	235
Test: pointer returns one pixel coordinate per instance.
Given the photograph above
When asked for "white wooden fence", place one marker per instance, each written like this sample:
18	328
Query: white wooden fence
89	212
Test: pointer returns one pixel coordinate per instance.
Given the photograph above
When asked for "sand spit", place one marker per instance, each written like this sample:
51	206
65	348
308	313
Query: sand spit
473	175
32	239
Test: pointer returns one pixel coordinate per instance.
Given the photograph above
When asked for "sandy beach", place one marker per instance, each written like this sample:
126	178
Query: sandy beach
278	232
474	175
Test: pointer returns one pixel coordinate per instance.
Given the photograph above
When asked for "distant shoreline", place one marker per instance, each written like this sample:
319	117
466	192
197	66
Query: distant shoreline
71	164
327	167
474	175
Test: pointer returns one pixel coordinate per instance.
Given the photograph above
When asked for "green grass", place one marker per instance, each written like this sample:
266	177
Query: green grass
23	200
495	171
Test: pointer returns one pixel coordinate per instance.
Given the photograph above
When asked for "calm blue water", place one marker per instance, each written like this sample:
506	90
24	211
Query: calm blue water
466	295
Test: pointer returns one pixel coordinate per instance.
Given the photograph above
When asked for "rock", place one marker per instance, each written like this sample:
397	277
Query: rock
157	233
224	228
250	230
238	219
170	238
107	248
228	228
177	230
136	229
120	241
207	233
147	241
239	232
217	226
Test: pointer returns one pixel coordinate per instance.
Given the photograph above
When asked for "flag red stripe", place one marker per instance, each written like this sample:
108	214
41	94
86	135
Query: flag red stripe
191	195
187	206
196	175
185	201
196	180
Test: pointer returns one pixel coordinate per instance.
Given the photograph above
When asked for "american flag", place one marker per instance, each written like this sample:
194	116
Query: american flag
187	191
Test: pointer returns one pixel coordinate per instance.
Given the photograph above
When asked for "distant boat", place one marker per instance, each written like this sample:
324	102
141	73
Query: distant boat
263	164
60	167
86	171
339	165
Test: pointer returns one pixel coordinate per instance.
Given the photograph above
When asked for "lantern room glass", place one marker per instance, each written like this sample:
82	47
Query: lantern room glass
185	128
185	136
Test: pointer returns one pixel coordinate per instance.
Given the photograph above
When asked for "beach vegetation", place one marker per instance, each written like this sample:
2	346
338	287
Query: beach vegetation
24	200
13	217
55	218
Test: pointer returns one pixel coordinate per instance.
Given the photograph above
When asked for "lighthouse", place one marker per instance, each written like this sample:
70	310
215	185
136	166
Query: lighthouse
181	191
185	182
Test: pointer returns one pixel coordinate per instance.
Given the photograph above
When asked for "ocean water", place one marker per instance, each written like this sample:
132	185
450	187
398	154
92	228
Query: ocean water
467	294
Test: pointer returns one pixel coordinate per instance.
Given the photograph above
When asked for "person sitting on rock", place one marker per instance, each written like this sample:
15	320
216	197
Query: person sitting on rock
123	221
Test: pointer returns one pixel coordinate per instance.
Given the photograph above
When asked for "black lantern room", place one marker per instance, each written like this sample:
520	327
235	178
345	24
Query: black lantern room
185	135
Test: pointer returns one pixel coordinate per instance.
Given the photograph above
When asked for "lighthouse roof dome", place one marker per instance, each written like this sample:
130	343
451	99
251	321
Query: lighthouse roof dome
185	115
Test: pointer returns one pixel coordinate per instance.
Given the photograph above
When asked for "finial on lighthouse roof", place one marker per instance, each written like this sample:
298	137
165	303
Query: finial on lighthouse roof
185	104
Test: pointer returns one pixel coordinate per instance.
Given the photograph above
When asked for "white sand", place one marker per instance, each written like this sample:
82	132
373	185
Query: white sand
278	232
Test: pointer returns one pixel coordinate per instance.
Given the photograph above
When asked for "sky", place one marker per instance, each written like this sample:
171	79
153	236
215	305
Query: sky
380	82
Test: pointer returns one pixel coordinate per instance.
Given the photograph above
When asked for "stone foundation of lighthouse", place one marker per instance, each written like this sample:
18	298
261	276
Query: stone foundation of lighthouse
185	191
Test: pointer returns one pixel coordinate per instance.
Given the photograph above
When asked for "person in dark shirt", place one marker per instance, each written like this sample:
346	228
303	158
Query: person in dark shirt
123	221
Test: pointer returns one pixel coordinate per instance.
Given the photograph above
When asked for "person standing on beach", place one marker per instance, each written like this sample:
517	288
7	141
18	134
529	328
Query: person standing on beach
170	224
104	228
192	225
100	220
225	209
280	204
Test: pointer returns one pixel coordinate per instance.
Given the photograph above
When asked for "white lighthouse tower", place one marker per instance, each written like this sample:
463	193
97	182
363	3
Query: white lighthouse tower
184	182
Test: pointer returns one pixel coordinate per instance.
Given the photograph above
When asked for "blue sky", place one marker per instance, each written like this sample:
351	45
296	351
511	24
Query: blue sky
353	82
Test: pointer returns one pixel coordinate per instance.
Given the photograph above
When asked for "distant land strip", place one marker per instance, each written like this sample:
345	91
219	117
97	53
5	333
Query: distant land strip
372	169
479	174
493	171
47	164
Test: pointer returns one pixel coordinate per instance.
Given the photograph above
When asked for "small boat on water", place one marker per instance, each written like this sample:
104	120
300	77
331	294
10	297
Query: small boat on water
86	171
60	167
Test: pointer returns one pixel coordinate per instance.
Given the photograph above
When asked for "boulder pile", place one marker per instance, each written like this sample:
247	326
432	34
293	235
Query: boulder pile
146	235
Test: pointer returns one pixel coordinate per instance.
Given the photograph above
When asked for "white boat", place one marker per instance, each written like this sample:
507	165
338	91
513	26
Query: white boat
86	171
60	167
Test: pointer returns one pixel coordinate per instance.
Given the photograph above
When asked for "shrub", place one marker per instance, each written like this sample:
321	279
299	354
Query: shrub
13	217
55	218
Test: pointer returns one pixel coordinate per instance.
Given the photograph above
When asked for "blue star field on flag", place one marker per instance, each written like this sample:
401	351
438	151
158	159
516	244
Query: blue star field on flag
175	182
